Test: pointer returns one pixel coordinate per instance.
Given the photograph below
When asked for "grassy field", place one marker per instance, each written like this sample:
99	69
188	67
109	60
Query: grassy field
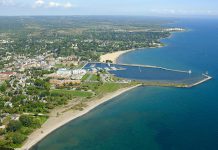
100	88
60	66
85	76
110	87
72	93
95	78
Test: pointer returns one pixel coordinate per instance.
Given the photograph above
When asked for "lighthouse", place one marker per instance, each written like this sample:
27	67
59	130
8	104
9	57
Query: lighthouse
190	72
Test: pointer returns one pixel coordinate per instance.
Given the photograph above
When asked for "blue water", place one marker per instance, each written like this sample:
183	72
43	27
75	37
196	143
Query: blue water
148	74
156	118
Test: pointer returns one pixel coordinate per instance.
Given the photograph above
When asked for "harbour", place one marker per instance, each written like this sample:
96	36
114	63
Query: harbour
153	75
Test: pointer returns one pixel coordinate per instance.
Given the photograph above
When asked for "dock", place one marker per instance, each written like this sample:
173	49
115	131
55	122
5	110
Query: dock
158	82
145	66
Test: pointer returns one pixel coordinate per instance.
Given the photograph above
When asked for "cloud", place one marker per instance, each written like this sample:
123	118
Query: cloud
39	2
52	4
7	3
59	5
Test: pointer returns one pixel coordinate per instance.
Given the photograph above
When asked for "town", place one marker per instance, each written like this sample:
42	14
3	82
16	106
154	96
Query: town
31	87
42	66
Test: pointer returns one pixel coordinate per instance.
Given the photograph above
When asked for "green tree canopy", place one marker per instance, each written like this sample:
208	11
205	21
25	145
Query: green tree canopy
26	120
18	138
14	125
3	87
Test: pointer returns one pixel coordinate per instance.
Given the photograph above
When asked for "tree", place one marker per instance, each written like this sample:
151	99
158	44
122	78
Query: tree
26	120
14	125
3	87
18	138
109	61
1	104
2	131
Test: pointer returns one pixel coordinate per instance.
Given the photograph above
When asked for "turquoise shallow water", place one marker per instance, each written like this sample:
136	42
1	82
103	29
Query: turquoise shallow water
155	118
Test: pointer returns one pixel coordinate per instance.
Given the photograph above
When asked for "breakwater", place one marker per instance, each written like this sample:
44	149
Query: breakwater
151	75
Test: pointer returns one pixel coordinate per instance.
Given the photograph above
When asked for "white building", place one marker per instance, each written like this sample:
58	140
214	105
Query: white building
78	71
64	72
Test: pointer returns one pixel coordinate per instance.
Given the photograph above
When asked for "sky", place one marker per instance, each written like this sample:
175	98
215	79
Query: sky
163	8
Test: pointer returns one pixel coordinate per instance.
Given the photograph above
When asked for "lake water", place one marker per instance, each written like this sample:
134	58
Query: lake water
156	118
147	73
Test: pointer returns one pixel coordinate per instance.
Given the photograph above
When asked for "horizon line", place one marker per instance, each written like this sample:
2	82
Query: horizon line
114	15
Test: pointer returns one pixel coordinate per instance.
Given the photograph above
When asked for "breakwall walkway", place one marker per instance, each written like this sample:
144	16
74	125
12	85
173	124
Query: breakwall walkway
204	79
207	78
138	65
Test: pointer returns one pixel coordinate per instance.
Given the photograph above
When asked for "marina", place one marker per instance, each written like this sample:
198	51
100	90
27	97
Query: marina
150	74
153	117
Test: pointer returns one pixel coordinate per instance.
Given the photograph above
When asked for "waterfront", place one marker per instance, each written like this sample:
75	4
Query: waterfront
150	74
155	118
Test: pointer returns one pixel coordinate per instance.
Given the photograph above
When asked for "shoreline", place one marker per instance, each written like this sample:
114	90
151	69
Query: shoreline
115	55
54	122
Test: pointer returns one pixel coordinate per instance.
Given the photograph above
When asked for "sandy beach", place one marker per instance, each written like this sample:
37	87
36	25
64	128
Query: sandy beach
55	122
113	56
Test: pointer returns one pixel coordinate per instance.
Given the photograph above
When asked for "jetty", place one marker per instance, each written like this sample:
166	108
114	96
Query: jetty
184	83
156	67
207	78
139	65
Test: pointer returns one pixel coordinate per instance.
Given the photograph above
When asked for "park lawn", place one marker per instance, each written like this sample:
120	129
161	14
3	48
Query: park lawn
91	86
110	87
85	76
100	88
60	66
95	78
42	119
72	93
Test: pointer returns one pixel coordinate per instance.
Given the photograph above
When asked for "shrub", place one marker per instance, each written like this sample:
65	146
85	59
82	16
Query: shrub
14	125
18	138
26	120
